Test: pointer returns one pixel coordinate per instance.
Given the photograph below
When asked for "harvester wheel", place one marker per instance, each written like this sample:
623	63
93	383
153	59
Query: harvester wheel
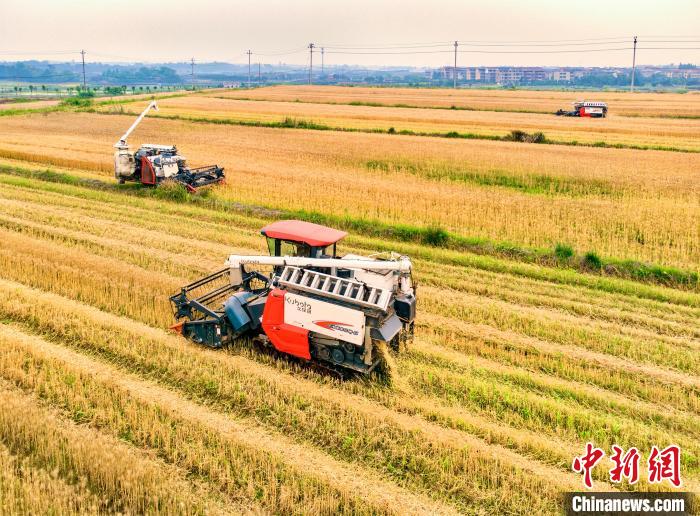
337	355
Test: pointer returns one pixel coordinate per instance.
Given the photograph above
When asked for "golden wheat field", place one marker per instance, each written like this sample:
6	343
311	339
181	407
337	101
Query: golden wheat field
682	134
624	203
621	103
516	363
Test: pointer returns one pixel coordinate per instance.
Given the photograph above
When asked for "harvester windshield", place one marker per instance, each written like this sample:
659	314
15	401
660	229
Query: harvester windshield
286	248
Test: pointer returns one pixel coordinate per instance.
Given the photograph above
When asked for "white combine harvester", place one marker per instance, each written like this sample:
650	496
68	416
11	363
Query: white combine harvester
152	164
340	312
586	109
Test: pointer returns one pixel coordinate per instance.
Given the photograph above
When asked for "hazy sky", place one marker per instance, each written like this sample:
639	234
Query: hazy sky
171	30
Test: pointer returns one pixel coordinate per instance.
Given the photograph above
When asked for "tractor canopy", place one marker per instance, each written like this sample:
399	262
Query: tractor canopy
301	238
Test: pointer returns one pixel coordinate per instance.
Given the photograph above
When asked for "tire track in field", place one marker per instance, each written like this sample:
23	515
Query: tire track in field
175	214
556	297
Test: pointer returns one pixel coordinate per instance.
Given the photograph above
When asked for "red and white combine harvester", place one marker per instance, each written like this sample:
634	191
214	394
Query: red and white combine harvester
586	108
153	164
339	312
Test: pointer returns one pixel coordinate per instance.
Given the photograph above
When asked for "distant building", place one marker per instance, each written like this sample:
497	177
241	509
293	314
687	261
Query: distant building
448	72
496	75
559	76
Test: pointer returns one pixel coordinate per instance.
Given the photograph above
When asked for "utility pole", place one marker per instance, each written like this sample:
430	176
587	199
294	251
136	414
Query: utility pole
259	74
634	62
311	60
454	72
249	52
82	53
322	51
192	63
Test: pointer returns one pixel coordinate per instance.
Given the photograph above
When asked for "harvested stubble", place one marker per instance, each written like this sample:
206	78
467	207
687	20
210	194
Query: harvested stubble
240	460
105	473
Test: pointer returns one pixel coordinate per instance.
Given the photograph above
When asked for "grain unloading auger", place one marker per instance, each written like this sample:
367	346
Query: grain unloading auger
340	312
152	164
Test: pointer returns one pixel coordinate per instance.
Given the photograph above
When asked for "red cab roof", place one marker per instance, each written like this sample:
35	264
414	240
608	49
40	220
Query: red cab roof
308	233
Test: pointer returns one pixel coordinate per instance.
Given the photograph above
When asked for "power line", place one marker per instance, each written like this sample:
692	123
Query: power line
281	53
550	40
670	36
381	47
39	52
476	51
673	40
127	58
483	44
670	48
611	42
479	43
391	53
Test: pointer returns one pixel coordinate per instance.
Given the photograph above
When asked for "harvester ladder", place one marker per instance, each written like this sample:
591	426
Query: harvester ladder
340	289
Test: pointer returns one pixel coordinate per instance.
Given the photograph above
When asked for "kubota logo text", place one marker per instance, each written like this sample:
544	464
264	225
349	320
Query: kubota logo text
337	326
302	306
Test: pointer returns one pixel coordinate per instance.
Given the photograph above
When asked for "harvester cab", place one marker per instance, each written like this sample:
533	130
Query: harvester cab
301	239
152	164
342	312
